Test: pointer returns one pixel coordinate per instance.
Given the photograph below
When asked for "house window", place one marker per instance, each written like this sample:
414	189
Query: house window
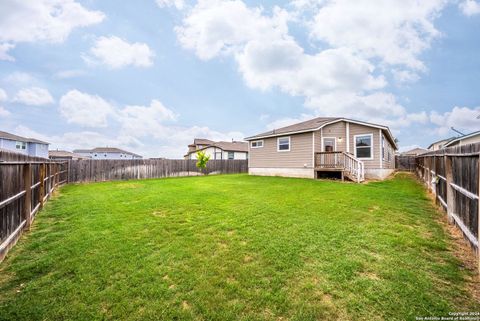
283	144
21	145
363	146
231	155
257	144
218	155
383	148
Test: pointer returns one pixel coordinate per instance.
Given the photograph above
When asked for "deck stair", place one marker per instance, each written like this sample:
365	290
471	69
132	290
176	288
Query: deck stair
350	166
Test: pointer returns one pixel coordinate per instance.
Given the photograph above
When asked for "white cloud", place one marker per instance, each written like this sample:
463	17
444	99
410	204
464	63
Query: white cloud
284	65
117	53
215	27
3	95
461	118
70	73
34	96
179	4
4	48
404	76
84	109
19	78
397	32
470	7
43	20
4	112
142	121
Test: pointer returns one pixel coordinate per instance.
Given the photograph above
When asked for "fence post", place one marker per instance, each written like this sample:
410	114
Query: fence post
42	183
27	204
478	219
450	196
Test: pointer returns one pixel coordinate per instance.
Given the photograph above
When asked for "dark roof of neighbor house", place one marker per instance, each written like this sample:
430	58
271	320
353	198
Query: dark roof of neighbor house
5	135
315	124
105	150
234	146
65	153
415	151
456	139
202	141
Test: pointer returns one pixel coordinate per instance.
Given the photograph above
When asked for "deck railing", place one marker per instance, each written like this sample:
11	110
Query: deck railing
342	161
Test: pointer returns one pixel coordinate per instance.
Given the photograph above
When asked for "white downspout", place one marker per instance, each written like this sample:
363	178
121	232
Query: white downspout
381	147
347	141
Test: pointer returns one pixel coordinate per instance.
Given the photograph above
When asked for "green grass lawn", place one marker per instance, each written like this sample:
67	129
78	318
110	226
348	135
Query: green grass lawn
235	247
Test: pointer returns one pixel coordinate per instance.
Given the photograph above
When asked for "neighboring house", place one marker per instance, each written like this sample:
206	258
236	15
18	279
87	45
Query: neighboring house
439	144
322	146
218	150
64	155
107	153
198	143
414	152
27	146
471	138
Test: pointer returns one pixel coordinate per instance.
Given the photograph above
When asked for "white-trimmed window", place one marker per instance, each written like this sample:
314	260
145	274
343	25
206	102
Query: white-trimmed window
231	155
283	144
21	145
257	144
364	146
383	147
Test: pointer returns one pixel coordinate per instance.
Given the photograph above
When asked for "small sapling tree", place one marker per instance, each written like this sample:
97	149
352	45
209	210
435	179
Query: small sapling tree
202	160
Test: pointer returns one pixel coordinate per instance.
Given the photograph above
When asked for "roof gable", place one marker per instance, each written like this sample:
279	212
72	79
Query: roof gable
9	136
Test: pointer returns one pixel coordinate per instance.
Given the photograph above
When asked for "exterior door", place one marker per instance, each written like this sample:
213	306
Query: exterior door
329	145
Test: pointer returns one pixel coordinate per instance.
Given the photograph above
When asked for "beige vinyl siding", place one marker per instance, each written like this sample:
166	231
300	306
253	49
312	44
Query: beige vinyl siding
388	149
337	130
267	156
356	129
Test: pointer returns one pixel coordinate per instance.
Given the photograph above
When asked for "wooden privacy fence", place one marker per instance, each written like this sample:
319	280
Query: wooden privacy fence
110	169
452	174
25	185
405	163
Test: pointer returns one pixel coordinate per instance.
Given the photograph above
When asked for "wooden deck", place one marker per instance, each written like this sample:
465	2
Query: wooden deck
342	162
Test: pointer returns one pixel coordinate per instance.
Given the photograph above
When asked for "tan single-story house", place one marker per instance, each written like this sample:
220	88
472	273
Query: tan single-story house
324	146
218	150
414	152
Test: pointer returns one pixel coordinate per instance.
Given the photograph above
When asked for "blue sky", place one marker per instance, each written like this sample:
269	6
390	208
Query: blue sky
149	76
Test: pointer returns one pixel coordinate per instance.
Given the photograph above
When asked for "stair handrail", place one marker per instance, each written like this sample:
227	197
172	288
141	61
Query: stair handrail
358	167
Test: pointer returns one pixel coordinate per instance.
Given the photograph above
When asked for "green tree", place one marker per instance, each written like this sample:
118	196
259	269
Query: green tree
202	160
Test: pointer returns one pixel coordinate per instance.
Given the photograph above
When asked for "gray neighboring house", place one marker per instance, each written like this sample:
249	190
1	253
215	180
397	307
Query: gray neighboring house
471	138
23	145
218	150
324	146
107	153
439	144
64	155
